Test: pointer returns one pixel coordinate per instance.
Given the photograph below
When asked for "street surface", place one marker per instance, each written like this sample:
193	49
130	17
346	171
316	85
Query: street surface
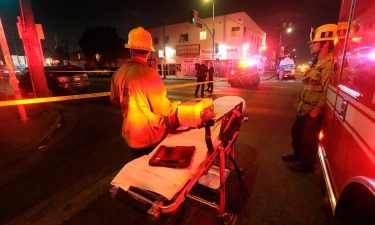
67	180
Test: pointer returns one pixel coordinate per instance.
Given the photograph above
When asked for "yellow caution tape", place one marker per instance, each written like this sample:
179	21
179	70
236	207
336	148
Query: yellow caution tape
52	99
82	96
80	71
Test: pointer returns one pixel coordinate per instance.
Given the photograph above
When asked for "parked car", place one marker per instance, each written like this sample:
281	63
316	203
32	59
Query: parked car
4	72
243	73
60	80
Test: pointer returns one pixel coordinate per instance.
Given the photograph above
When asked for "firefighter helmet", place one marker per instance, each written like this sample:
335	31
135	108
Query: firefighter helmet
326	32
139	38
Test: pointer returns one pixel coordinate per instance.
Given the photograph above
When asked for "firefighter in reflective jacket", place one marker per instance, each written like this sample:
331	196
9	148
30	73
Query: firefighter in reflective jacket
312	100
141	95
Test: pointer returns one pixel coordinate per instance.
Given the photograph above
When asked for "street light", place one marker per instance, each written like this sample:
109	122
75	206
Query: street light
287	28
213	31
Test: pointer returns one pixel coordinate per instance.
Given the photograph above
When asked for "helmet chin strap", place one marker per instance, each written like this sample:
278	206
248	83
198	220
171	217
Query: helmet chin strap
317	55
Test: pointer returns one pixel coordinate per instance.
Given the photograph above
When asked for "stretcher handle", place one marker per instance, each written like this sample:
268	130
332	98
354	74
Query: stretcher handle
207	128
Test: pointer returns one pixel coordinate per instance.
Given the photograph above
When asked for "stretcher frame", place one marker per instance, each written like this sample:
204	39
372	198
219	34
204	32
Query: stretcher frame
229	131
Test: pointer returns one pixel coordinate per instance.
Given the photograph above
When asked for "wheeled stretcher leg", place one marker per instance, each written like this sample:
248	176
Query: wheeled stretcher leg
232	123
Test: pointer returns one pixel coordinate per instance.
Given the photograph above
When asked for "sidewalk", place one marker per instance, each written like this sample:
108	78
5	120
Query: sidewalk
17	139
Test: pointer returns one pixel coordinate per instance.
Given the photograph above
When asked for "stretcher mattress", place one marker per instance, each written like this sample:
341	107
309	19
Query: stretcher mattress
169	181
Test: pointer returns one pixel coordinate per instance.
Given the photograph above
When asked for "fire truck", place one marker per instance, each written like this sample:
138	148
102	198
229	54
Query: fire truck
347	139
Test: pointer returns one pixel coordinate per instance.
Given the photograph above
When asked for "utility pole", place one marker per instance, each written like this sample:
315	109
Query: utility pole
67	51
164	55
284	28
33	49
213	34
12	76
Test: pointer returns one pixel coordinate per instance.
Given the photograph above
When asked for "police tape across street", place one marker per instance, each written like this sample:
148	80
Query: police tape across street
82	96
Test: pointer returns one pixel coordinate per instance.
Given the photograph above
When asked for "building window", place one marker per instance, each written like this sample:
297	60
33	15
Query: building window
166	39
202	35
235	31
244	31
156	40
184	37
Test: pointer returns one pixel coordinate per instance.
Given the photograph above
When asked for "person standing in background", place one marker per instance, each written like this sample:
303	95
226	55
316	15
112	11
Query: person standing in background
210	85
201	77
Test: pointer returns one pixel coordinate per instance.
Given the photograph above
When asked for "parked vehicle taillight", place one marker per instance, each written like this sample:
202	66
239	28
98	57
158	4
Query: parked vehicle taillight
232	72
63	79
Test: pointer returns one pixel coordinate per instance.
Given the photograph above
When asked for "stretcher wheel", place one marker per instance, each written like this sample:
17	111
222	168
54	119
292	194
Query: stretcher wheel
229	218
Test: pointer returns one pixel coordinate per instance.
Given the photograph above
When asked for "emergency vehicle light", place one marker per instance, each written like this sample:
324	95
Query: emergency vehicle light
246	62
356	39
321	135
372	55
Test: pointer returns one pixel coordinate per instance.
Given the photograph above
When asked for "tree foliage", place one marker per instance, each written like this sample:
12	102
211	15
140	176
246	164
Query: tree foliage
102	40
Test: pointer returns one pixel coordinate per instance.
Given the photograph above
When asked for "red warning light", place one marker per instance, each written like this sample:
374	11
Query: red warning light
321	135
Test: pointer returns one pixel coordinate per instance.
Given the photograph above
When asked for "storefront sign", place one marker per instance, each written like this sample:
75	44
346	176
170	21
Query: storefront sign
190	60
229	53
206	54
188	50
233	53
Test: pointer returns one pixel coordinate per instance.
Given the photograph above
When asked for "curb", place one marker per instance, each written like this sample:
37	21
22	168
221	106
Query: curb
56	124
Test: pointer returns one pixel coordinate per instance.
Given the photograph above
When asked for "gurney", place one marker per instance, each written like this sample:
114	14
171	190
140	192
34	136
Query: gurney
163	189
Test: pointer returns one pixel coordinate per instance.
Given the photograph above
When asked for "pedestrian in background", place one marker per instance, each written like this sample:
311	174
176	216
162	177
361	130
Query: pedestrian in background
141	95
201	77
210	85
308	121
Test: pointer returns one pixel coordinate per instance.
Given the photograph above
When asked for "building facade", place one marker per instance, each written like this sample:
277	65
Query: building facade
180	46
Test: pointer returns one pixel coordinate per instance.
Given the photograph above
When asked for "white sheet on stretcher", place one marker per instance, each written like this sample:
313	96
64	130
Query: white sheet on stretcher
169	181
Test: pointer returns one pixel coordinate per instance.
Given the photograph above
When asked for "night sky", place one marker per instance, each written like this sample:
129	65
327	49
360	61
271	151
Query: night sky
66	19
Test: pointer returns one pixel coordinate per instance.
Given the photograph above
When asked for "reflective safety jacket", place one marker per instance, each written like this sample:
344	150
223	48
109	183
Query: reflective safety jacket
315	82
141	94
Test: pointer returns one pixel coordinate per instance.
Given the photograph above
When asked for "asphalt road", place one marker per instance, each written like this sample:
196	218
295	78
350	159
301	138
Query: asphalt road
68	180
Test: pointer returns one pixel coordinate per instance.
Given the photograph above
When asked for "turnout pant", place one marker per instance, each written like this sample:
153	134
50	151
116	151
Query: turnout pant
305	133
210	86
198	85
